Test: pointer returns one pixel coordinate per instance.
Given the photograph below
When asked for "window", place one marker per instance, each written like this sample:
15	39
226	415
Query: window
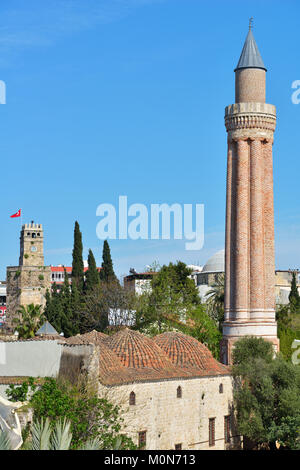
178	446
179	392
221	388
227	429
33	235
132	398
142	439
212	431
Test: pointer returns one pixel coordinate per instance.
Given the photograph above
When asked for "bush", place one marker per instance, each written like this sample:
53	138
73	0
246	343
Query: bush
90	417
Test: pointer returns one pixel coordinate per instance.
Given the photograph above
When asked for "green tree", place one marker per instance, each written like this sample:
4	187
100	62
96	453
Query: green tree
90	417
267	393
60	309
202	327
29	320
77	263
294	296
92	274
107	273
173	294
69	323
215	300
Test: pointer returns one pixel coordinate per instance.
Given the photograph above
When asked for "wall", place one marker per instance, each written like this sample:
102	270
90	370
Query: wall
169	420
26	285
30	358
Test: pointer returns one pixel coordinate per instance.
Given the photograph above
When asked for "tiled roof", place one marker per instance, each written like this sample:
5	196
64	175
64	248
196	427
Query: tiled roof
186	352
137	351
17	380
68	269
93	337
128	356
34	338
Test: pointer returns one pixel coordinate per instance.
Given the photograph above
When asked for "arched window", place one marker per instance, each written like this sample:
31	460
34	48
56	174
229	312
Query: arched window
132	398
221	388
179	392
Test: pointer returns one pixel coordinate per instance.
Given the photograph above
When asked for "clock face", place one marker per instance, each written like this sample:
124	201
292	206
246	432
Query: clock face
33	248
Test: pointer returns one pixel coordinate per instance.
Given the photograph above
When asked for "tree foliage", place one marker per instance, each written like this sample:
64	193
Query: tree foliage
215	300
294	297
77	263
90	417
107	273
267	394
172	296
92	276
30	318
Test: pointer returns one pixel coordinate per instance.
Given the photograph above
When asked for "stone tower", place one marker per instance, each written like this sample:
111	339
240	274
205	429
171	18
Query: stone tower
249	246
32	245
28	282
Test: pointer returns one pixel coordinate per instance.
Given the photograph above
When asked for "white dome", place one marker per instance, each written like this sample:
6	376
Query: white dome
215	264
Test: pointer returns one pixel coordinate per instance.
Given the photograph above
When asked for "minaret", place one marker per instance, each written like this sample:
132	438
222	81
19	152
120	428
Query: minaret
249	246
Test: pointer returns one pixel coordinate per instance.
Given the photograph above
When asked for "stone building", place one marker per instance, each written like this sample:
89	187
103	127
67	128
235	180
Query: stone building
27	283
139	283
249	247
172	392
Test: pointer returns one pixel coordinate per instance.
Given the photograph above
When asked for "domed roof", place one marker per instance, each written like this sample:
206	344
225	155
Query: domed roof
138	351
129	356
216	263
187	352
92	337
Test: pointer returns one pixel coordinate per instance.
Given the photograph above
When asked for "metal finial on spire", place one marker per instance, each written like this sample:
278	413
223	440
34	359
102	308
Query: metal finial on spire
251	23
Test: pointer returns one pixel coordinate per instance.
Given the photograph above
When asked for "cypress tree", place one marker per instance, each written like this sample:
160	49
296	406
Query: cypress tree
92	275
54	311
75	308
68	326
294	296
107	273
77	263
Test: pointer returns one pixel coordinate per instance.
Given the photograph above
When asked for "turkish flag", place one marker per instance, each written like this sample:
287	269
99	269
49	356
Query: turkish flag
17	214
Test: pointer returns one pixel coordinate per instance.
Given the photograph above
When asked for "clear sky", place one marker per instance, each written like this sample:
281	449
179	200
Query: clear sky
127	97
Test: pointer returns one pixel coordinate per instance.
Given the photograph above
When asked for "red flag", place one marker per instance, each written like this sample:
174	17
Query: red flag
17	214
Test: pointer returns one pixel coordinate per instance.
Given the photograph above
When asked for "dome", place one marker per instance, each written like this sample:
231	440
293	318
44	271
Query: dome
187	352
216	263
137	351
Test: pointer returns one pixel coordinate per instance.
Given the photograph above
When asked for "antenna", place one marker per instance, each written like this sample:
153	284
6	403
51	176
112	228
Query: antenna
251	23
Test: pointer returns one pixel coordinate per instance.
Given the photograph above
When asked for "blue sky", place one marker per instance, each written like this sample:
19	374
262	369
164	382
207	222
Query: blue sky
127	97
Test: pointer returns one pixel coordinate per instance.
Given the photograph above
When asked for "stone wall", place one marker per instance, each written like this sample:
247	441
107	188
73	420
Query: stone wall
169	420
26	285
80	363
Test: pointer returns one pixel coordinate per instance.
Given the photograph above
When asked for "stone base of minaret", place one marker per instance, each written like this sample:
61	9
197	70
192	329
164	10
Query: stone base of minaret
234	331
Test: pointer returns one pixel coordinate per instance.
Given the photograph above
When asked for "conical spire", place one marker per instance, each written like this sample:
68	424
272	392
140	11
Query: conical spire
250	56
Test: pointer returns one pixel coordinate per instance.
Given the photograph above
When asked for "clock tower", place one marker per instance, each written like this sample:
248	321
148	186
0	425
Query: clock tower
28	282
31	245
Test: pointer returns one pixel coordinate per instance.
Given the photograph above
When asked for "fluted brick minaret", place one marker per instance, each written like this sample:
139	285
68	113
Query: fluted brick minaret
249	249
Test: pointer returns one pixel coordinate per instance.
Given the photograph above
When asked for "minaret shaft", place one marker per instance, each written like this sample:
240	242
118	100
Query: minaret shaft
249	244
